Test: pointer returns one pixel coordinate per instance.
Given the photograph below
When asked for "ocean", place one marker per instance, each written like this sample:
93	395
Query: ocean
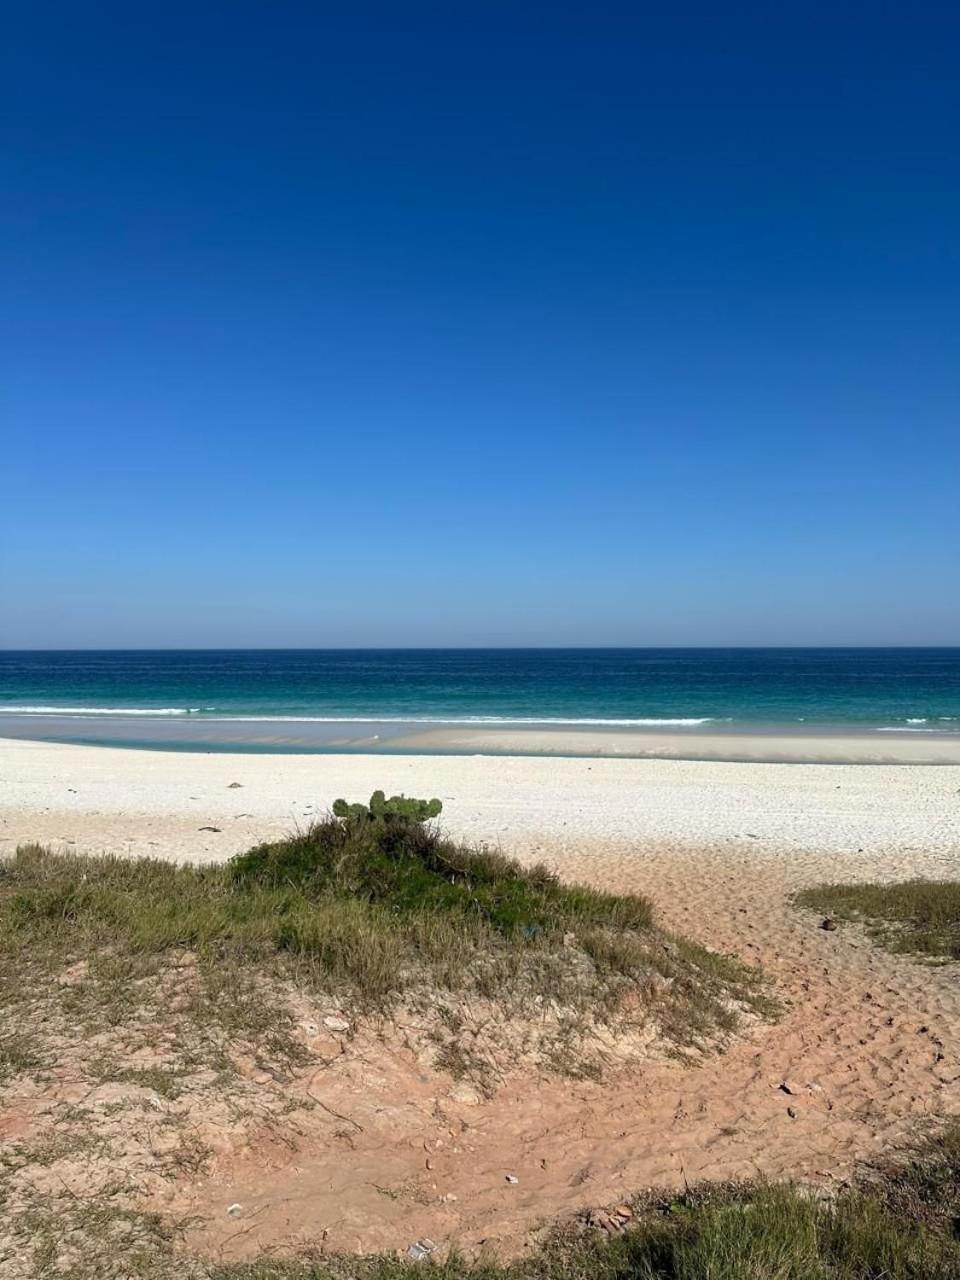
320	699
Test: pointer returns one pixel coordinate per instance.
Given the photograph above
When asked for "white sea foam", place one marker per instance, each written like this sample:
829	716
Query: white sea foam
97	711
904	728
920	724
459	720
648	721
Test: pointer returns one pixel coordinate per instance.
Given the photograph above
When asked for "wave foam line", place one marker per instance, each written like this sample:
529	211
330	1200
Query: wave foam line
451	720
98	711
904	728
649	721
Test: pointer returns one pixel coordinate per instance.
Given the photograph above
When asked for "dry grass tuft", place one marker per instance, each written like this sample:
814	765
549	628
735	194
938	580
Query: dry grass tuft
921	917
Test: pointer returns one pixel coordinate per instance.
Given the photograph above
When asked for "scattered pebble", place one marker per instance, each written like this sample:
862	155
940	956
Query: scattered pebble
829	925
465	1094
234	1209
512	1179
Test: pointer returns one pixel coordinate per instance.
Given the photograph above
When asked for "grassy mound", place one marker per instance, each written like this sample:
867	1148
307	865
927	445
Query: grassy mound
373	909
184	1003
917	916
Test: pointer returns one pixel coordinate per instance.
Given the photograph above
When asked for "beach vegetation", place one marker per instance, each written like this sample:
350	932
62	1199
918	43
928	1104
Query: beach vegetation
176	997
372	909
921	917
406	808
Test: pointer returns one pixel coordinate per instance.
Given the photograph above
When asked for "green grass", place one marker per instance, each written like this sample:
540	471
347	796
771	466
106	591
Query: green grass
373	913
916	916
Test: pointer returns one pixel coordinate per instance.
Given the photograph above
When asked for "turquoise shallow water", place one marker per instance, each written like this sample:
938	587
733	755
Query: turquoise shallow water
258	696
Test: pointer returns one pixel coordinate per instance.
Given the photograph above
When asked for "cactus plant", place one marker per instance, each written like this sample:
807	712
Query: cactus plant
384	810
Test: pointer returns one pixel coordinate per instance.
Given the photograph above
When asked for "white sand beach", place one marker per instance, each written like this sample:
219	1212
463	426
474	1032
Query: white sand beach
867	1040
102	799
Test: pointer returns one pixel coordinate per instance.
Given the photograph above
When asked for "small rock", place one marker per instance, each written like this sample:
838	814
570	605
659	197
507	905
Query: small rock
792	1112
464	1094
336	1024
623	1211
828	924
420	1249
234	1209
234	786
786	1087
217	829
512	1179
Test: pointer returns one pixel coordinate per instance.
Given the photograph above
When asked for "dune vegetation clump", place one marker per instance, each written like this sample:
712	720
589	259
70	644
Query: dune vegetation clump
919	917
374	908
197	1008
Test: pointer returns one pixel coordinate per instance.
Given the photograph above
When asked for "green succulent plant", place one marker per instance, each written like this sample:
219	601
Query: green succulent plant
380	808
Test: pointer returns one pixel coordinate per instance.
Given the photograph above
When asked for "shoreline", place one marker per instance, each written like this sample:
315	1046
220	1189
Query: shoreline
806	744
732	746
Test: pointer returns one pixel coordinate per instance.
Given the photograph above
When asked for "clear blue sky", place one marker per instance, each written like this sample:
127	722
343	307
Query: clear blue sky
479	324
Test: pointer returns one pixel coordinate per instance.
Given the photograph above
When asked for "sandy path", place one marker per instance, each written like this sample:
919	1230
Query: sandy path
868	1043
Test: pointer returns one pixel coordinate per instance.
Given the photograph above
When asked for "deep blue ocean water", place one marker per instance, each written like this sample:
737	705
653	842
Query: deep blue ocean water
913	690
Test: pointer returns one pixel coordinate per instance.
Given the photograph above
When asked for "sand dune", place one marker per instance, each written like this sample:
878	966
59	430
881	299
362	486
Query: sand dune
867	1045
